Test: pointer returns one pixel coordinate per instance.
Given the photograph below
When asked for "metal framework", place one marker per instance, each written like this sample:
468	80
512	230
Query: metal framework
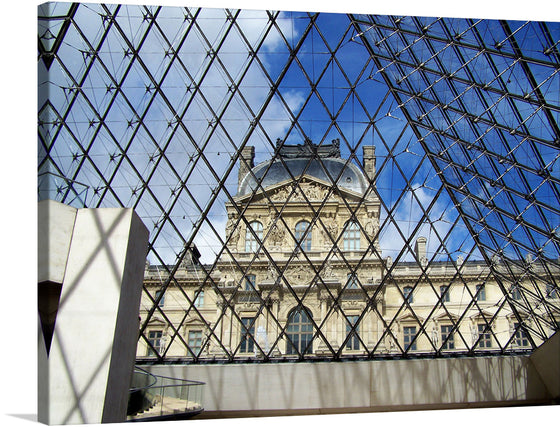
152	107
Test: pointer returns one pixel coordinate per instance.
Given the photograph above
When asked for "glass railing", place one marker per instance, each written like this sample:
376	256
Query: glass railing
160	397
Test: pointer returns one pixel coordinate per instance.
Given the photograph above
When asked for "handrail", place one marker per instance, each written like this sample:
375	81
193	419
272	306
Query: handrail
164	397
148	374
190	382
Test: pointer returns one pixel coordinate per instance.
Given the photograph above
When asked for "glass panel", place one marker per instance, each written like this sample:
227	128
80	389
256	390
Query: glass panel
382	148
447	337
409	333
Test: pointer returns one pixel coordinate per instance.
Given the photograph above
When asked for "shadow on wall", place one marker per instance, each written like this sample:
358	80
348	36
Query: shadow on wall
284	388
546	363
89	329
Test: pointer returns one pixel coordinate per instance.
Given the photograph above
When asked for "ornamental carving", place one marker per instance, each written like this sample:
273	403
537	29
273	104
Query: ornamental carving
280	195
308	149
300	275
311	190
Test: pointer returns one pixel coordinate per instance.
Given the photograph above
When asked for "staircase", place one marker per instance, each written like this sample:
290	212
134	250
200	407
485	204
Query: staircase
155	397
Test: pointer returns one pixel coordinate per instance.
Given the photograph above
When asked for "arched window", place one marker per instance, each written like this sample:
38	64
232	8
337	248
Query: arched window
252	243
352	236
303	235
299	331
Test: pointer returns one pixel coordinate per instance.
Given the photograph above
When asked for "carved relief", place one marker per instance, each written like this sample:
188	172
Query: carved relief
312	191
297	196
280	195
299	276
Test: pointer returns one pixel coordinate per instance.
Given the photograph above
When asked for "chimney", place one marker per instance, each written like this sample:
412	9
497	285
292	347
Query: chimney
246	162
420	249
369	160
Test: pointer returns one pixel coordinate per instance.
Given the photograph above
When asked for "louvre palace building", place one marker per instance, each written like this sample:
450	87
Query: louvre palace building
302	273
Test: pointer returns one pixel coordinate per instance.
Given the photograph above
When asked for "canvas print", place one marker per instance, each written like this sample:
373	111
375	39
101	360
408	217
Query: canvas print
255	212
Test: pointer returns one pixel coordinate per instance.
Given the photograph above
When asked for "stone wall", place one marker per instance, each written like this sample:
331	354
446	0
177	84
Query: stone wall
333	387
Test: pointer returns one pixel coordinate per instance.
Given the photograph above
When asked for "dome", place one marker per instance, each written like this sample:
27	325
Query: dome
349	175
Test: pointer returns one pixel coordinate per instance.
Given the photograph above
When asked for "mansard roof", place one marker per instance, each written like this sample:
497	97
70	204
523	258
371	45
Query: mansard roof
322	162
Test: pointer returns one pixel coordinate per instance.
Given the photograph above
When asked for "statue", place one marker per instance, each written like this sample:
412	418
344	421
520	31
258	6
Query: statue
390	341
329	231
328	270
232	230
474	333
308	149
271	273
276	233
262	340
435	335
372	226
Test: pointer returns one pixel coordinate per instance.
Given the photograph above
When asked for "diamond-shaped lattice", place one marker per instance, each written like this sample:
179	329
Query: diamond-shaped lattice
316	185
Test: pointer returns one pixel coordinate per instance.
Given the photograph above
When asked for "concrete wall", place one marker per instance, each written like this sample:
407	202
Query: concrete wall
546	360
330	387
86	376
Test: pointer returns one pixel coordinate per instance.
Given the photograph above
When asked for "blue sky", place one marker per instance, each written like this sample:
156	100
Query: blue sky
352	124
144	125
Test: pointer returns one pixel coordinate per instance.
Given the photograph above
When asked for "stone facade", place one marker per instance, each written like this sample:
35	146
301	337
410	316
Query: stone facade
323	239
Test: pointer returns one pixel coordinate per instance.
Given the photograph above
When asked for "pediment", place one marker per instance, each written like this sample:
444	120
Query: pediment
408	317
314	189
193	321
478	315
444	317
156	321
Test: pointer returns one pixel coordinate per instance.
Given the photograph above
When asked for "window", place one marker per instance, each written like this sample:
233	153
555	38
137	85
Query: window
407	292
195	342
409	332
352	281
352	236
303	235
162	300
444	293
299	331
447	334
252	243
353	342
247	334
199	300
154	338
520	336
480	293
250	280
515	293
552	292
484	335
